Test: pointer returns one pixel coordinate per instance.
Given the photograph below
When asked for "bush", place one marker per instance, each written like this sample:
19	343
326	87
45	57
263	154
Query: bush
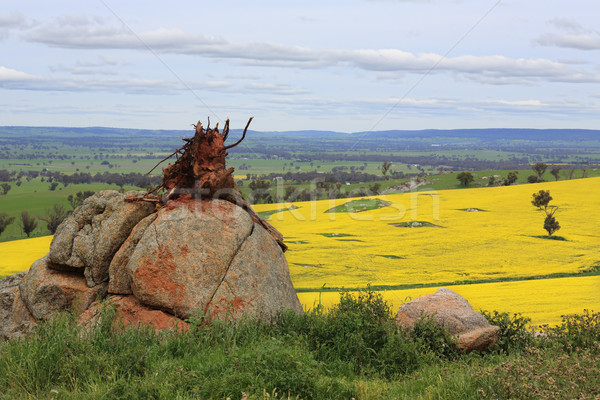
435	338
577	330
513	331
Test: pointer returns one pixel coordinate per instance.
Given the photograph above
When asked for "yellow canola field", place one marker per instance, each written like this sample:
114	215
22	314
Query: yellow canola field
18	255
497	241
544	300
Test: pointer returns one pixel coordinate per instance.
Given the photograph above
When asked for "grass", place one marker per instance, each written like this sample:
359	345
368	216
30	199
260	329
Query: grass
35	198
359	206
352	350
562	239
414	224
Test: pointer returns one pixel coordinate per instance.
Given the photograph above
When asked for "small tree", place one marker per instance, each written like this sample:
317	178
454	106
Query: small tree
374	188
539	169
28	223
555	171
5	221
492	181
533	179
385	167
541	199
53	186
465	178
5	188
55	217
550	223
261	192
79	197
510	178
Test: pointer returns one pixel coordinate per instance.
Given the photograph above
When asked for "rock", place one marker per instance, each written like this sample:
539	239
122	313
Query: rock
8	289
120	280
447	307
129	311
20	321
199	252
257	281
14	316
184	254
46	291
92	235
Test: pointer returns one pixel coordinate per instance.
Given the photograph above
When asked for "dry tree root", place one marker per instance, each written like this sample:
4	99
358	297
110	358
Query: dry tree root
200	172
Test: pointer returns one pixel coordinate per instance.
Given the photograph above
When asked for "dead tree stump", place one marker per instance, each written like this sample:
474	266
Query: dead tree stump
200	172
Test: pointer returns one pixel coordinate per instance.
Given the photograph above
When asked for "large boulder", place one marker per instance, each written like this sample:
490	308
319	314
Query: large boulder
129	311
120	281
46	291
448	308
9	287
159	266
90	238
210	256
15	318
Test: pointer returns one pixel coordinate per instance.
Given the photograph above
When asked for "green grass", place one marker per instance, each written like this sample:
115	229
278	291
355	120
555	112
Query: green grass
352	351
35	198
267	214
359	206
554	237
414	224
593	271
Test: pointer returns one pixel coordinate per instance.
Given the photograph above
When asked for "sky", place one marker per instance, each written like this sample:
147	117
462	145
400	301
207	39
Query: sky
347	65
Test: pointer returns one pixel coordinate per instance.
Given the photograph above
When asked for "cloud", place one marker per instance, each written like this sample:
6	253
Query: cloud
573	36
9	22
86	33
274	88
13	75
18	80
580	41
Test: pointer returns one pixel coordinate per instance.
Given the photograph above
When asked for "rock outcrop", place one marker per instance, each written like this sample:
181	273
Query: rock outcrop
448	308
158	265
15	318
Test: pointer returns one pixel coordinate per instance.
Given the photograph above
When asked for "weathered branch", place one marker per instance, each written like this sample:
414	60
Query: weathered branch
169	156
243	135
226	130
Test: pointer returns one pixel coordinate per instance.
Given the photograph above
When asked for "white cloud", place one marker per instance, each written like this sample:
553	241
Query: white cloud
11	75
19	80
580	41
495	69
9	22
573	35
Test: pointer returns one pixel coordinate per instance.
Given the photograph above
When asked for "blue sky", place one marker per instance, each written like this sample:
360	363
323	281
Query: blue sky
334	65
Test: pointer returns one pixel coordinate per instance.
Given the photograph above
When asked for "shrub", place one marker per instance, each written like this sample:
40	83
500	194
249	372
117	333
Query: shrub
434	338
577	330
514	334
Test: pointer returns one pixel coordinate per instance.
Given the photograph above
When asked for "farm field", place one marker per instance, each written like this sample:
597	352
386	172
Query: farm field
446	236
410	244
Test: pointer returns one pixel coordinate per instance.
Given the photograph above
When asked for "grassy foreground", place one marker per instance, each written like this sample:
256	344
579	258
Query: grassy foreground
351	351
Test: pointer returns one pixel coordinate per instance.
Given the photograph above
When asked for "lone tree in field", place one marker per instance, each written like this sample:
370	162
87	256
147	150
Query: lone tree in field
465	178
510	178
550	223
539	169
541	199
385	167
555	171
28	223
55	217
5	188
5	221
